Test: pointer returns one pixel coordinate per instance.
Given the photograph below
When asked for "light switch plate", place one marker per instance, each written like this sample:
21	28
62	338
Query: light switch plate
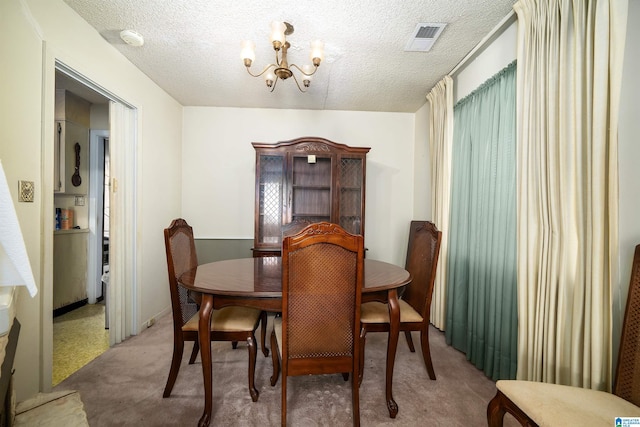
79	201
25	193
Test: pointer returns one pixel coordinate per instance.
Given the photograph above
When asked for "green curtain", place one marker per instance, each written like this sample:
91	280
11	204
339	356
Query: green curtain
481	280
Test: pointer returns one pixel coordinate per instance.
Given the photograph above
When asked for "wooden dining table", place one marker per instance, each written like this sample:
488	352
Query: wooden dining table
257	282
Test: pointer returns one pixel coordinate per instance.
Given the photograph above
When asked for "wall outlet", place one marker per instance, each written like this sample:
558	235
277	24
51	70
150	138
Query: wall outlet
79	201
26	190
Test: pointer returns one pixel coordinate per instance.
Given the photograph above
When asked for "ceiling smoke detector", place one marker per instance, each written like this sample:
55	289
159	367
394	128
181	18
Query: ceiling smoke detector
132	38
424	36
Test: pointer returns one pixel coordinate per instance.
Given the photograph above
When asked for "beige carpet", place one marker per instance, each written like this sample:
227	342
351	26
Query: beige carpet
78	337
123	387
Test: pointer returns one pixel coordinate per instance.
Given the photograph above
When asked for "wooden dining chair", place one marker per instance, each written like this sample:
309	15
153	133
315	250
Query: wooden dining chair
227	324
322	278
534	403
415	304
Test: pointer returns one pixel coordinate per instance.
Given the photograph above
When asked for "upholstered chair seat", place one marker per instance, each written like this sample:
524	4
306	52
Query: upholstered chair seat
560	405
378	312
228	319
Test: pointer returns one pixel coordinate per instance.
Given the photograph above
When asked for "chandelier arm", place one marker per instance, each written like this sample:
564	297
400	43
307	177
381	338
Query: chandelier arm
275	82
261	72
296	80
300	69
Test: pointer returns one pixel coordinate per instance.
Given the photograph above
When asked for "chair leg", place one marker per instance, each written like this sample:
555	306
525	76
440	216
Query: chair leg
495	412
234	344
407	334
345	376
178	348
426	352
283	415
363	334
263	333
194	352
275	358
499	406
355	396
252	347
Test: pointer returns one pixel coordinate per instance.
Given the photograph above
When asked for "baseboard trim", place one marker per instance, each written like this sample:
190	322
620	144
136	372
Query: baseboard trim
67	308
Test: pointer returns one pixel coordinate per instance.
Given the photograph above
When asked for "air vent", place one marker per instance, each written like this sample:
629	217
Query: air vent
424	36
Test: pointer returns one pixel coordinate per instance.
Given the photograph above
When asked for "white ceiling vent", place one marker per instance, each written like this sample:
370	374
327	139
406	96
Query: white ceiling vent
424	36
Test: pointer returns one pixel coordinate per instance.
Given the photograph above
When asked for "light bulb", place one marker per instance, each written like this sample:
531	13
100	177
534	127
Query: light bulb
269	78
317	52
248	52
277	33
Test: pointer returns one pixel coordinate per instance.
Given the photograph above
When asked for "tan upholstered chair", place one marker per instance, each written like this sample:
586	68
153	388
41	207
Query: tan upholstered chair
227	324
535	403
322	278
415	305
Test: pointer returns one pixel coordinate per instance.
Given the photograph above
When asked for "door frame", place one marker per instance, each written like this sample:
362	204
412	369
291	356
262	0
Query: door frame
126	310
97	140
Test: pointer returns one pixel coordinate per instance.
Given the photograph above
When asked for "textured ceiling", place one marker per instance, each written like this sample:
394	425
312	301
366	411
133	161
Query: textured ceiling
192	48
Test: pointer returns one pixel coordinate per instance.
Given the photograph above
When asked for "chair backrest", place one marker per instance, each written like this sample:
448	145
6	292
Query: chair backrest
181	256
322	277
627	379
423	251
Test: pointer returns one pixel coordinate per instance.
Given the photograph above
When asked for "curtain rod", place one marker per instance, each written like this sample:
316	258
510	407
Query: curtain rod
497	31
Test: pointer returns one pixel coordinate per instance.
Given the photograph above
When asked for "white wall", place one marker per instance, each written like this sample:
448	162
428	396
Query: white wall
34	34
422	167
495	56
218	165
99	118
20	135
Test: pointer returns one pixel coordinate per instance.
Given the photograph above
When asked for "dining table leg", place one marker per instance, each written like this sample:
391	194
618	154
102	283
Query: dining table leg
204	338
392	345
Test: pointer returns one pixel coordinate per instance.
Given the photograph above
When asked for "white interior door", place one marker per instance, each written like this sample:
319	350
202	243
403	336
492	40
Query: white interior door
123	286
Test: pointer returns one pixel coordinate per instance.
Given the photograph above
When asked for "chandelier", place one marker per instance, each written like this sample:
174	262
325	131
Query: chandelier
282	69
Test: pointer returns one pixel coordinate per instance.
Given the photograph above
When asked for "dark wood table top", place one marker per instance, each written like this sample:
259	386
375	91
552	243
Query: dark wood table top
262	277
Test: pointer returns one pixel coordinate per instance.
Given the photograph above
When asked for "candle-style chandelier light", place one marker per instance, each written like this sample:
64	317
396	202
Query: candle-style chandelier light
282	69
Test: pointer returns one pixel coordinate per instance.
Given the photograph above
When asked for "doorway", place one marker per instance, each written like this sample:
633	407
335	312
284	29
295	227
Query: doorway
80	323
123	291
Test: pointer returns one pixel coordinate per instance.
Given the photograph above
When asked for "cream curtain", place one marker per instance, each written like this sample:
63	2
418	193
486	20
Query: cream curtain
440	141
569	70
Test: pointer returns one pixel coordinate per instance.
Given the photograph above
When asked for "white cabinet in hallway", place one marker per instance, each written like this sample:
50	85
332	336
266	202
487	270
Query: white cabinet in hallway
69	266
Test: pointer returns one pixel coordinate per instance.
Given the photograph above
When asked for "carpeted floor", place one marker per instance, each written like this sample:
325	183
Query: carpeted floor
123	387
78	337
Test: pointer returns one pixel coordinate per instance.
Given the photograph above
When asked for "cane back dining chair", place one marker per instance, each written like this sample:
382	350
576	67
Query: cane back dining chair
227	324
534	403
322	278
415	304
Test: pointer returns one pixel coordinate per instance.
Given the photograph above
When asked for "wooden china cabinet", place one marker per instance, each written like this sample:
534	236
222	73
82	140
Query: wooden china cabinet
307	180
